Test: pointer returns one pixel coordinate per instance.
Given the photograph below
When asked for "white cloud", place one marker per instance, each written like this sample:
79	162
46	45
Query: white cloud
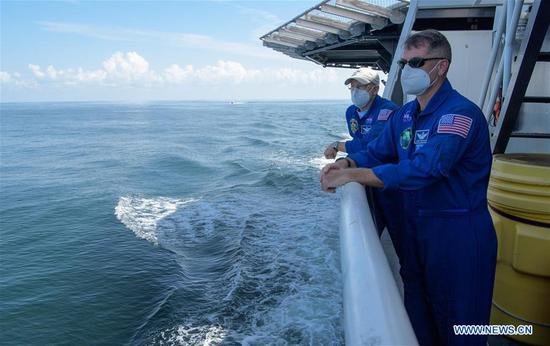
36	71
14	79
225	71
130	68
176	74
51	72
5	77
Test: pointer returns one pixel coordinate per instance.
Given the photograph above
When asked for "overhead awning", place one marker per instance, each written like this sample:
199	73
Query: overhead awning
342	33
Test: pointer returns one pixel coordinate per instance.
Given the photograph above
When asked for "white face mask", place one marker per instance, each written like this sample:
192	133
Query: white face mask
415	81
359	97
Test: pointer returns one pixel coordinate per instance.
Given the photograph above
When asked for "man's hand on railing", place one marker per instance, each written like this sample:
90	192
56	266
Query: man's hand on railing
334	176
330	151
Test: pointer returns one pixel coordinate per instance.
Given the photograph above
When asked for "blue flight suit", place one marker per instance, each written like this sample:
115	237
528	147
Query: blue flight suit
363	130
444	162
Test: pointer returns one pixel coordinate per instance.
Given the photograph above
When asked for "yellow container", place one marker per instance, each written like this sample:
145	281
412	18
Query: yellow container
519	201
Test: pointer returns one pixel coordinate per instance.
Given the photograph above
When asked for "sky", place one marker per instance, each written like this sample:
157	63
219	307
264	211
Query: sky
154	50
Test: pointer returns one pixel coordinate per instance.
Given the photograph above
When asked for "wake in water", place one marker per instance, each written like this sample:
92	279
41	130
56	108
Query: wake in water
141	215
256	267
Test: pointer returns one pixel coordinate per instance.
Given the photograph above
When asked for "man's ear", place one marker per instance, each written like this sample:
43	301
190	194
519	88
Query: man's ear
443	68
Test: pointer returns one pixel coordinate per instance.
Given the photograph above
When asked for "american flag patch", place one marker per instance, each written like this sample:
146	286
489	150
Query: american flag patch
454	123
384	114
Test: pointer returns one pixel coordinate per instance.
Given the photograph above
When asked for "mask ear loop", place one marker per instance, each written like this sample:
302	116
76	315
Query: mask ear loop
433	68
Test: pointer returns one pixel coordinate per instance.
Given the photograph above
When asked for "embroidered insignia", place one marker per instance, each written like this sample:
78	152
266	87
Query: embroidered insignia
365	129
407	117
421	137
405	138
353	125
455	124
384	114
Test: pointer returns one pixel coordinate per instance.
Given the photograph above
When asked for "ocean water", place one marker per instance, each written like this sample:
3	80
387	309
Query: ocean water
168	223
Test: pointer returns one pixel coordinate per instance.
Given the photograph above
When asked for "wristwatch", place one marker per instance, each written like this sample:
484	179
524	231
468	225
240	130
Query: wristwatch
335	146
348	162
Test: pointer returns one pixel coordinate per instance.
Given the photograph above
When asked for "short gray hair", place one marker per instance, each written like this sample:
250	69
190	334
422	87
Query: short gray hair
433	39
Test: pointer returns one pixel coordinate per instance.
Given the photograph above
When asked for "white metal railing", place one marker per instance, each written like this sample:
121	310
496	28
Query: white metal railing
374	313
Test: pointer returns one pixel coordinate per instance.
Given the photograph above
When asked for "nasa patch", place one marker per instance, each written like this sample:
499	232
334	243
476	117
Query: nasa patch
353	125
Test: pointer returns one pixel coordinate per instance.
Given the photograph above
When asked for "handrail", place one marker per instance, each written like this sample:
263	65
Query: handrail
497	43
374	313
511	27
488	110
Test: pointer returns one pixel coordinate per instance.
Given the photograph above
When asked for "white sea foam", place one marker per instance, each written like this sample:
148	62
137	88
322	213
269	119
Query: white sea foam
320	162
191	335
285	159
141	215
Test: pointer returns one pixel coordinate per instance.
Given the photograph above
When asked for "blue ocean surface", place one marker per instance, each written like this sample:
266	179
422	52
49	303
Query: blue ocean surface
196	223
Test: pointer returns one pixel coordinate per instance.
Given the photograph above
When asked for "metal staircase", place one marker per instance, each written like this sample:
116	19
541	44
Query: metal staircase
517	105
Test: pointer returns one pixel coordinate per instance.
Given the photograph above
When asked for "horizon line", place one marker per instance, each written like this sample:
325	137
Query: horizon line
175	100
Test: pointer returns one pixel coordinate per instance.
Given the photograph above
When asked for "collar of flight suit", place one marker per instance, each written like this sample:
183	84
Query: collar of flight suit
437	100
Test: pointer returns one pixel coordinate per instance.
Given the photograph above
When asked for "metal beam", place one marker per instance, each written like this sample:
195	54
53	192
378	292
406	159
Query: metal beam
317	26
304	31
277	36
376	22
395	16
296	36
295	18
327	21
280	42
394	68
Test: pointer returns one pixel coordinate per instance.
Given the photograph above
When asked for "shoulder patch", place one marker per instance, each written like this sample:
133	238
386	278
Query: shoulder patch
384	114
454	124
407	117
354	125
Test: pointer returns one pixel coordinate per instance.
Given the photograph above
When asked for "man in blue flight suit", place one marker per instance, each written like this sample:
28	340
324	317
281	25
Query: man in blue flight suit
367	115
366	118
441	142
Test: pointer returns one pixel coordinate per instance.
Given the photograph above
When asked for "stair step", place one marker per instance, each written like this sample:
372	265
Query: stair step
536	99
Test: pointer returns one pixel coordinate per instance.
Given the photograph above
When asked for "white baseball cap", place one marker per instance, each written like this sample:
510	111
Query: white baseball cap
364	75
